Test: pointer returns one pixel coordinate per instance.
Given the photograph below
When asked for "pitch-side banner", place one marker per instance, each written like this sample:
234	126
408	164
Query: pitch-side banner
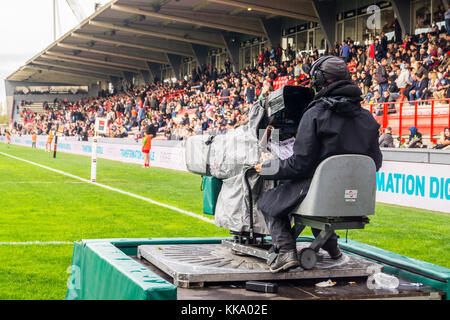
162	157
419	185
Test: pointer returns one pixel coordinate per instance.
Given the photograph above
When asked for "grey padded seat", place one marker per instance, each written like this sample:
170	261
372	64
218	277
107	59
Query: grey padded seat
341	196
342	186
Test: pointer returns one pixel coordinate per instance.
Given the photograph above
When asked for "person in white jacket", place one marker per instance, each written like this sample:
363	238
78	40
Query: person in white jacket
403	78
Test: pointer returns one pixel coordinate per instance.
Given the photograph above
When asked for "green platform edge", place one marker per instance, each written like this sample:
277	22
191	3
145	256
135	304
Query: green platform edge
103	269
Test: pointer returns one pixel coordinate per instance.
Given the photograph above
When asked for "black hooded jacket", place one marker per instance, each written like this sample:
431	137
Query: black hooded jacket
334	124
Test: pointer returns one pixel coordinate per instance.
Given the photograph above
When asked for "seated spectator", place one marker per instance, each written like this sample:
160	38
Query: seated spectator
410	91
185	120
444	140
394	91
386	97
432	60
386	140
432	86
422	86
415	138
442	87
420	70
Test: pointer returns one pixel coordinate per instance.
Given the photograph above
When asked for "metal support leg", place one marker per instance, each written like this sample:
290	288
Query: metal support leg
322	238
298	228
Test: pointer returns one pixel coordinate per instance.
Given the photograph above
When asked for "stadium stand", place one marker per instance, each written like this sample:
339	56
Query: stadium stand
403	80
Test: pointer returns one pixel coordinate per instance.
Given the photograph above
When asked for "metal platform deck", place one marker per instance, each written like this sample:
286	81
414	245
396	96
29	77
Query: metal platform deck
303	289
192	265
110	269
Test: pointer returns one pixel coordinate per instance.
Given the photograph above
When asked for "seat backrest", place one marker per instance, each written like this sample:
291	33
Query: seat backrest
342	186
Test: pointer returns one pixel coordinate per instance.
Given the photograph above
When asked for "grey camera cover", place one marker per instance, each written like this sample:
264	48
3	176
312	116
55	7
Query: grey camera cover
196	152
229	156
233	205
231	152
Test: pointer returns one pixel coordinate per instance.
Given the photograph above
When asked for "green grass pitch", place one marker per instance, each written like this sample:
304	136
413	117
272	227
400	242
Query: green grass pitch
40	205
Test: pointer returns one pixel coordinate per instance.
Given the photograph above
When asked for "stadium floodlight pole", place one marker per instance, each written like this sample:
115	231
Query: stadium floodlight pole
54	20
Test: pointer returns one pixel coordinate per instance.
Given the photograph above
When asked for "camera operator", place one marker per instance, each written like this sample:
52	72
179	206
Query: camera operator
334	123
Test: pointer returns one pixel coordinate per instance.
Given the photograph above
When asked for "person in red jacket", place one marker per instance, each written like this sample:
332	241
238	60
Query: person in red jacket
146	146
48	145
8	138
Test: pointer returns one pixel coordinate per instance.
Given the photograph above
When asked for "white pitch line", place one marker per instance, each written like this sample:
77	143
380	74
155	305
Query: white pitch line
44	243
39	182
115	189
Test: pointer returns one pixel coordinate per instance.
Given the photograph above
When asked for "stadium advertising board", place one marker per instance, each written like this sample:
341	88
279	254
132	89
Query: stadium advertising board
161	157
419	185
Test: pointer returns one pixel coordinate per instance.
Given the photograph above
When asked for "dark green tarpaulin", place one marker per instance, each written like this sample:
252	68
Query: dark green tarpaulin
100	271
211	188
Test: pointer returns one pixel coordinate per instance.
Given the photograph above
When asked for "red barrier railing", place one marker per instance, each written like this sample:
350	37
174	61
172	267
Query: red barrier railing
171	95
428	116
304	82
279	82
283	81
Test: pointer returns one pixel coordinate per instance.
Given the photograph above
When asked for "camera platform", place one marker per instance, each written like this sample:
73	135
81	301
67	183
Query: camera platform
193	265
111	269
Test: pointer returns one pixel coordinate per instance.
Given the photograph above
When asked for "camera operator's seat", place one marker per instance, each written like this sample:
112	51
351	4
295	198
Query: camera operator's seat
341	196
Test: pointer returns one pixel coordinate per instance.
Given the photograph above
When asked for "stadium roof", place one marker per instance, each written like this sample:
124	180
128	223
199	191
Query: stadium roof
127	35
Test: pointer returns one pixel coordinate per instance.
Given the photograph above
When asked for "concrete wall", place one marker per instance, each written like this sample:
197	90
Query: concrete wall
417	155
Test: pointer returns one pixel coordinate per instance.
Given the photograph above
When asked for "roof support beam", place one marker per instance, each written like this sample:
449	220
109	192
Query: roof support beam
236	11
116	83
121	42
110	53
271	15
128	76
289	9
65	72
166	22
402	9
53	64
245	25
206	39
326	11
201	5
59	79
93	64
146	76
100	61
175	63
233	49
273	31
201	54
155	70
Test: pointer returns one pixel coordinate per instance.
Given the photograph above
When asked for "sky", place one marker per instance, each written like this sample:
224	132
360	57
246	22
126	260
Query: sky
26	28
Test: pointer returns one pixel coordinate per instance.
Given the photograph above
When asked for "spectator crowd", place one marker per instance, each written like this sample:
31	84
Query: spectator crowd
415	68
